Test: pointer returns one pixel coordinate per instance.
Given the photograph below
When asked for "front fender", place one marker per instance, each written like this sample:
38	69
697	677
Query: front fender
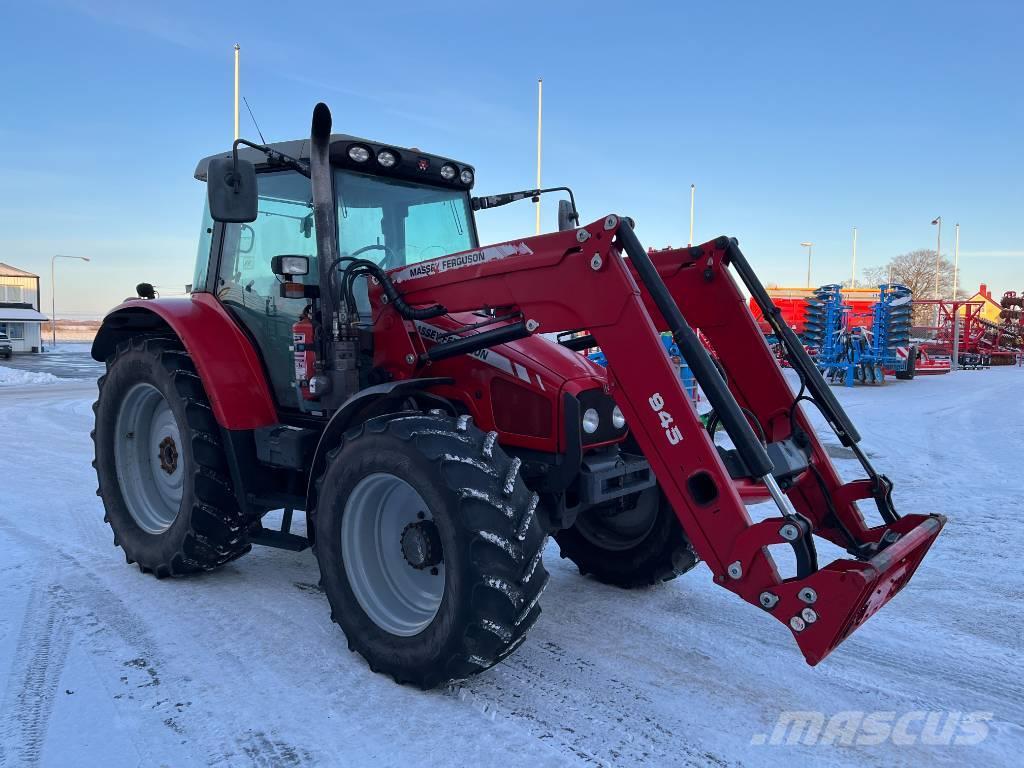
347	415
225	359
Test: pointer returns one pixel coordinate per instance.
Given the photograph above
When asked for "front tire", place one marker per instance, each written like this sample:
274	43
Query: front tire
429	548
161	469
633	542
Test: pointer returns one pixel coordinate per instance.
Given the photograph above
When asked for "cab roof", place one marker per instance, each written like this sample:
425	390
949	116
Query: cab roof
340	143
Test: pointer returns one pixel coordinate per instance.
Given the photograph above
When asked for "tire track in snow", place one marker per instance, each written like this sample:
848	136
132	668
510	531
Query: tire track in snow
562	697
114	630
109	628
39	658
265	753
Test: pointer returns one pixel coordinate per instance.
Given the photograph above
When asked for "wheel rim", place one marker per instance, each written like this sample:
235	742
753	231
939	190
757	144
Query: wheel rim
147	456
621	529
398	597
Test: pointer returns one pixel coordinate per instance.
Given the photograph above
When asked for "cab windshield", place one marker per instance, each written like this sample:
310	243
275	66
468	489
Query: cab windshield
394	223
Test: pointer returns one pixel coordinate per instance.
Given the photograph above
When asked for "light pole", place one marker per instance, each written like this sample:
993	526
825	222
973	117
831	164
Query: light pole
237	48
53	292
853	267
693	189
809	246
937	221
540	106
956	261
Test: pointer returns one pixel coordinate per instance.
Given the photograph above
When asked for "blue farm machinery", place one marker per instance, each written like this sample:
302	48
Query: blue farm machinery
849	351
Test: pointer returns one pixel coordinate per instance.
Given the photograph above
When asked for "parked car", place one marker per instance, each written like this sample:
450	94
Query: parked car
5	347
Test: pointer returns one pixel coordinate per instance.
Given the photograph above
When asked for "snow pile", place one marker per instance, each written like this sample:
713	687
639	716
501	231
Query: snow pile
11	377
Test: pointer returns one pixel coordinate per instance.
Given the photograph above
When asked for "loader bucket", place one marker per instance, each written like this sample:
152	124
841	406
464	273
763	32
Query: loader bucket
849	592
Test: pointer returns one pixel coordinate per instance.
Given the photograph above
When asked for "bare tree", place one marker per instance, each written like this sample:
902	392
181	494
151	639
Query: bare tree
916	270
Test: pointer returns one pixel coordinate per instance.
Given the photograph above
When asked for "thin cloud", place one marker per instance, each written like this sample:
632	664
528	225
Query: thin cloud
473	109
993	254
170	28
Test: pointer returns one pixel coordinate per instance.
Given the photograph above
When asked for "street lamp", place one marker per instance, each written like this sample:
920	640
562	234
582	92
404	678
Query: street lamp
809	246
53	292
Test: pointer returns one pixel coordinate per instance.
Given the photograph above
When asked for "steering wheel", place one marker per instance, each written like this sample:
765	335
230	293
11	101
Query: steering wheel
377	247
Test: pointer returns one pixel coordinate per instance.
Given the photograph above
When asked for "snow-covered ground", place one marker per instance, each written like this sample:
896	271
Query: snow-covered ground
101	665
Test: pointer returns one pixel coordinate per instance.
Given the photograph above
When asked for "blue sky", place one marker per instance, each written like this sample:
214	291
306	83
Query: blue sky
796	121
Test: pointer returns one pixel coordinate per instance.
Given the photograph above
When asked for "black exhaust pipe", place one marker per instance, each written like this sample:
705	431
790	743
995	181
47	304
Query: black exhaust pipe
341	339
323	204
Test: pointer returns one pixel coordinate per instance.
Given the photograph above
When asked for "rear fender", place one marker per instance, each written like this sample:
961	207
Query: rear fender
225	358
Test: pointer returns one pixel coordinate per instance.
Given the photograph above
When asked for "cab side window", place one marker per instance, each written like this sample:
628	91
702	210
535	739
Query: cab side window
245	283
203	251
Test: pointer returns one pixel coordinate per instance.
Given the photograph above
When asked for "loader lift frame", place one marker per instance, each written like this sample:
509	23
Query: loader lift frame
629	302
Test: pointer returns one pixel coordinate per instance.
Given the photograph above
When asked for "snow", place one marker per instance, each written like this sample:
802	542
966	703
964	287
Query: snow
101	665
12	377
67	361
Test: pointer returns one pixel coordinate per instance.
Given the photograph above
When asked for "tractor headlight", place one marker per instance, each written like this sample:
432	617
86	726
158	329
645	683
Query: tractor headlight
386	158
358	154
601	421
618	420
288	266
466	177
447	172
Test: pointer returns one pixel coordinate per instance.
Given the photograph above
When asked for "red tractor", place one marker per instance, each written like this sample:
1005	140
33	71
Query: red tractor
350	350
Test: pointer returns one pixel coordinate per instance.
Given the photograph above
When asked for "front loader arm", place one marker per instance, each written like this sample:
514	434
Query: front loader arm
578	279
702	286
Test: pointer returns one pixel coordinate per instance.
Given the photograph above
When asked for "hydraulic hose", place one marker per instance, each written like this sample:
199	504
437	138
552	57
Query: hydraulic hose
364	266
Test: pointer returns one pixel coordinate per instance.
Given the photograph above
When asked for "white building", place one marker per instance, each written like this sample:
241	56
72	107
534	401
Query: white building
20	318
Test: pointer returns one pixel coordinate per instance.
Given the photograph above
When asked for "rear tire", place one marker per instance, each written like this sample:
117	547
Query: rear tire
479	514
161	469
629	548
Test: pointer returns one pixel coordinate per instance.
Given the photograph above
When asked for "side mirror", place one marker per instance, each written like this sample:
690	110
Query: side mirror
567	218
232	192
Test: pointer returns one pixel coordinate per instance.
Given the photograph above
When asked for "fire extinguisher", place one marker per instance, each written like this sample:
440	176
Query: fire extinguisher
304	350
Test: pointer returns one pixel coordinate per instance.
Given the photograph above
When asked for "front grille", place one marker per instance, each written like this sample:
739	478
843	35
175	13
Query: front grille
520	410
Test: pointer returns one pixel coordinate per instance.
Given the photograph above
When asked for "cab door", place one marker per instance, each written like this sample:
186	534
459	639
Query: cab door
247	287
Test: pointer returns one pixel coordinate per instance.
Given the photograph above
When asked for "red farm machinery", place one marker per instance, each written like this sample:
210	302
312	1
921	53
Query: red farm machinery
963	333
1011	322
350	351
792	302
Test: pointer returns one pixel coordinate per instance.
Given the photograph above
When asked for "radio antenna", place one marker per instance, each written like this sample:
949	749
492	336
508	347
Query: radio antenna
254	119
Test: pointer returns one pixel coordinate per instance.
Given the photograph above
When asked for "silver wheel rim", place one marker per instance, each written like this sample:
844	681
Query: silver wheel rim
147	456
398	598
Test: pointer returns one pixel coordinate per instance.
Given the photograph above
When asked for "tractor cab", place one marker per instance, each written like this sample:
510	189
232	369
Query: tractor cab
392	206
